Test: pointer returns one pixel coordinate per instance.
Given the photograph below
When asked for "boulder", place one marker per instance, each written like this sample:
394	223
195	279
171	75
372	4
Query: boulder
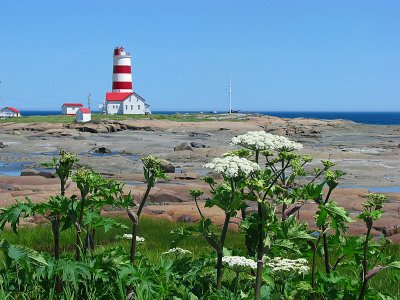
389	231
100	150
200	134
33	172
94	128
183	146
29	172
167	166
2	144
185	219
198	145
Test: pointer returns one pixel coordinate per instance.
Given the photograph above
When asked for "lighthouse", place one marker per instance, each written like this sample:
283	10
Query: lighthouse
123	100
122	71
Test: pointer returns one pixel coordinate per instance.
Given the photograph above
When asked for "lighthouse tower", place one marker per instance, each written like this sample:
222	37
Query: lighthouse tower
122	71
123	100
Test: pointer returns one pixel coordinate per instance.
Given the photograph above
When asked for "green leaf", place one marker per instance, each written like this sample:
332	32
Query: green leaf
21	253
394	265
13	213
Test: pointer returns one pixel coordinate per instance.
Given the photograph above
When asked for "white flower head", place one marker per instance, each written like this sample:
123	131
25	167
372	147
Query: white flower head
284	266
129	236
232	166
177	251
262	141
239	263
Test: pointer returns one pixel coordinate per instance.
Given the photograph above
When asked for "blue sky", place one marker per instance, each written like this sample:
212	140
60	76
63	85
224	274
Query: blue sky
283	55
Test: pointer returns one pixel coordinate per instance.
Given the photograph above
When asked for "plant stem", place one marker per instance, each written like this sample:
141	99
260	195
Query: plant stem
142	203
78	233
198	208
313	267
365	261
260	253
219	269
136	223
55	226
236	282
220	252
133	243
326	251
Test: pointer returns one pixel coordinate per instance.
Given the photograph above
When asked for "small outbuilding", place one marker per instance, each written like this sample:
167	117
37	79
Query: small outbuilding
83	115
9	112
70	109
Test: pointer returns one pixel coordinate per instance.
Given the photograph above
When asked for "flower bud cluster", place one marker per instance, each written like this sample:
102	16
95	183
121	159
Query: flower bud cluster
129	236
177	251
262	141
239	263
232	166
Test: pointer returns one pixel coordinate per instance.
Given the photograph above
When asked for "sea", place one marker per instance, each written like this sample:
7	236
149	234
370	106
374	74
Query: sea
373	118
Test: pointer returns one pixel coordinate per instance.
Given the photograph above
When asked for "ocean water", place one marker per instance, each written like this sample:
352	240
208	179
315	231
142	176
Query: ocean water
377	118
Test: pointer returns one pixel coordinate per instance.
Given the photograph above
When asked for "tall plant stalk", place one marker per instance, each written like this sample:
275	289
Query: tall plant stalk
152	170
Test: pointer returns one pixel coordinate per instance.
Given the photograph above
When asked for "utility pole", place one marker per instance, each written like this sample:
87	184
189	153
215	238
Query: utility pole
229	91
88	101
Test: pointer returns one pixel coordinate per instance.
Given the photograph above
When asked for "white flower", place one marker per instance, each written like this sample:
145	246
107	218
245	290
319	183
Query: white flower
260	140
232	166
129	236
178	251
283	266
239	263
140	239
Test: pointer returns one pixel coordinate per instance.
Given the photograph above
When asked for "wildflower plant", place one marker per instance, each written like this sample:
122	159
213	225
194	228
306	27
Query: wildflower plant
152	171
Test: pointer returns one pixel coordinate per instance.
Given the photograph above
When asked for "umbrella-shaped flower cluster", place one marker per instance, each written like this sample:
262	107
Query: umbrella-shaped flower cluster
239	263
233	166
262	141
284	266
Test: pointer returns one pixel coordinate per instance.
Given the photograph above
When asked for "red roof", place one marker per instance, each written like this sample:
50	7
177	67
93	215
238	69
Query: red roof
117	96
73	104
85	110
13	109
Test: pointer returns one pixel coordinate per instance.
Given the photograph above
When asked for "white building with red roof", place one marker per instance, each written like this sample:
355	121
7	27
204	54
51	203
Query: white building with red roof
83	115
122	99
125	104
9	112
70	109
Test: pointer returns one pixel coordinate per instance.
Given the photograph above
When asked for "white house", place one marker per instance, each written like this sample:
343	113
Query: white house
83	115
70	109
9	112
126	104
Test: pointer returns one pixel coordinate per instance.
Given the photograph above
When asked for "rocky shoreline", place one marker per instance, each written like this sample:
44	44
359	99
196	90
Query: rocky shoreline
369	154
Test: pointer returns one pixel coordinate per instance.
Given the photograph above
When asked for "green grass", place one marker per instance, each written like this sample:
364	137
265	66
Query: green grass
155	231
157	240
98	117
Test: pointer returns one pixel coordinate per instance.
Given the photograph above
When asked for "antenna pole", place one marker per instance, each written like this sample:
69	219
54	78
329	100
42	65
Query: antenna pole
88	101
230	93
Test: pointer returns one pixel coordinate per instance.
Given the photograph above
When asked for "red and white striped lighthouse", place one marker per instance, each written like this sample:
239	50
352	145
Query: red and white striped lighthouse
122	72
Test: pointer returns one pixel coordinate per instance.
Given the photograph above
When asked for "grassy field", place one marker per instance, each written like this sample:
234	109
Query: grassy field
157	240
100	117
155	231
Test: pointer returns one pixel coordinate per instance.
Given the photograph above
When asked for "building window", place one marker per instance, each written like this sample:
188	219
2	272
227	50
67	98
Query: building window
126	106
131	107
138	107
